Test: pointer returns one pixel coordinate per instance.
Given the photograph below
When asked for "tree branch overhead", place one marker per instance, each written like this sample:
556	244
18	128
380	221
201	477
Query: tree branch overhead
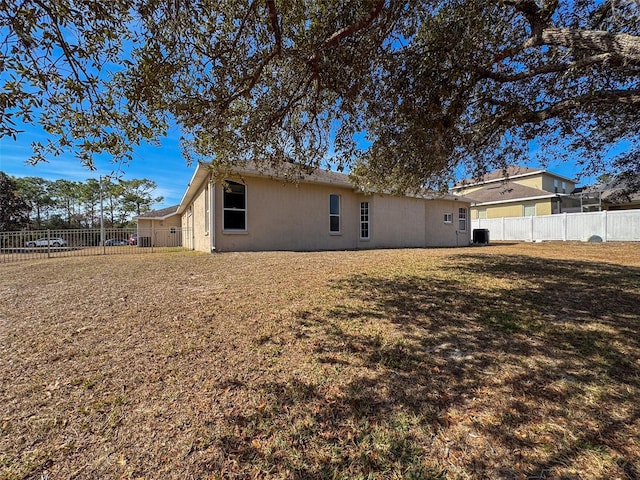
403	92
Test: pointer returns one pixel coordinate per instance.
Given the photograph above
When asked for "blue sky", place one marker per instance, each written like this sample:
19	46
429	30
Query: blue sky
165	165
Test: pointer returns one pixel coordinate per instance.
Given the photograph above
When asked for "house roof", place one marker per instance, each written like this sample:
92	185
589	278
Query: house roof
297	173
506	192
511	172
620	196
286	173
159	214
616	192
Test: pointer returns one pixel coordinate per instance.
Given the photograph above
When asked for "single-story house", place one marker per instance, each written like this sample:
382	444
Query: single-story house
159	228
252	210
517	192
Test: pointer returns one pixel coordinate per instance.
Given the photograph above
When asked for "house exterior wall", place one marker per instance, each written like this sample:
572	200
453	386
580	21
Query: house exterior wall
533	181
516	209
503	210
159	232
543	181
396	222
188	232
285	216
195	218
549	184
145	228
466	190
544	207
540	181
441	234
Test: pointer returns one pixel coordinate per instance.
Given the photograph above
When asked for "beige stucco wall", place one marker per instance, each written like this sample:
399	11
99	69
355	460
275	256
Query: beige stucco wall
160	231
285	216
504	210
440	234
187	228
549	185
397	222
542	181
466	190
193	221
543	207
532	181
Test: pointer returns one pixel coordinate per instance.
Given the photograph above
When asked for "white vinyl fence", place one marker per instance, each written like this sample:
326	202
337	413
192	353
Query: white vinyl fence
618	226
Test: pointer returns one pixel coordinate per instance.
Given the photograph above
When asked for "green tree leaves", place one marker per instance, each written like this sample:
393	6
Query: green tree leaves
428	85
69	204
14	211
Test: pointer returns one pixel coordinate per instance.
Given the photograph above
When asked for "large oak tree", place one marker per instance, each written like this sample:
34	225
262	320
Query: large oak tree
401	91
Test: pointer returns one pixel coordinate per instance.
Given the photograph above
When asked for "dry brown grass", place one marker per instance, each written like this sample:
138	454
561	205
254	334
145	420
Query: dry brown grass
512	361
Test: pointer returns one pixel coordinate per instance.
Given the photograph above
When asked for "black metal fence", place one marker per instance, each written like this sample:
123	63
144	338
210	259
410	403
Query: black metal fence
36	244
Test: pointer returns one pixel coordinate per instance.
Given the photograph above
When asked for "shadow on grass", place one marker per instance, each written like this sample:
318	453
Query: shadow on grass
498	367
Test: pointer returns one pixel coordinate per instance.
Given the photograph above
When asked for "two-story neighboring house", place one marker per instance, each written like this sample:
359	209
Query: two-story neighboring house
517	192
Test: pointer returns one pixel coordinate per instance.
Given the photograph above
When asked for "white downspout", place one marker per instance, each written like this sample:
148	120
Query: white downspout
212	215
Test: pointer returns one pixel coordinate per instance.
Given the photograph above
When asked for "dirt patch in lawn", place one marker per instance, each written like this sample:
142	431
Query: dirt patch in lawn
510	361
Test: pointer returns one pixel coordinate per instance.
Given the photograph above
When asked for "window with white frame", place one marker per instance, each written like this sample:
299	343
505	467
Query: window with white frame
334	213
564	187
364	221
462	219
448	218
234	205
530	210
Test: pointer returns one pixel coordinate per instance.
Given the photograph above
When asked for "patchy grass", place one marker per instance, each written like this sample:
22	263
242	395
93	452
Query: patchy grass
513	361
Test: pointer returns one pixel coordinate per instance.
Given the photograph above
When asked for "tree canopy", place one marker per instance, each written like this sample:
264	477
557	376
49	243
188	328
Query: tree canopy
402	92
71	204
14	211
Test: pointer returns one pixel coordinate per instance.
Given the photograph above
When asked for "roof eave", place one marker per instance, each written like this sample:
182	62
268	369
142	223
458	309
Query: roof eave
142	217
515	200
301	178
510	177
200	174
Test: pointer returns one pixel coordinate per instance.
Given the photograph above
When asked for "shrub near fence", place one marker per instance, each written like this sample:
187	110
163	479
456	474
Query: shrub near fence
16	246
621	226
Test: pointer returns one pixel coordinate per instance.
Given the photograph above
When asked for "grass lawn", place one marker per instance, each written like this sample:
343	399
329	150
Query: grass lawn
514	361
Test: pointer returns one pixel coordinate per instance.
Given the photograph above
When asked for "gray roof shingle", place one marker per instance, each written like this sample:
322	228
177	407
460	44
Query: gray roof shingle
161	213
510	171
501	192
